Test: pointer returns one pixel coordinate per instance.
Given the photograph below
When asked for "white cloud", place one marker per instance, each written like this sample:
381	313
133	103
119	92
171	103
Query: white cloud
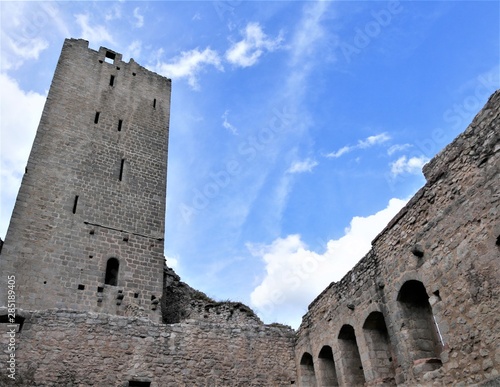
309	32
24	28
302	166
189	63
246	52
296	274
134	49
172	262
398	148
17	131
94	34
139	18
362	144
373	140
411	165
114	12
226	124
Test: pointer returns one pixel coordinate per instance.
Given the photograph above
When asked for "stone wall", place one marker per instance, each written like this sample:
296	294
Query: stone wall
71	348
422	306
94	189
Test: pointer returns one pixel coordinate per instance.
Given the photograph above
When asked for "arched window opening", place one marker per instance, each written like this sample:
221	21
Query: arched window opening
112	272
353	371
307	375
326	367
419	327
379	347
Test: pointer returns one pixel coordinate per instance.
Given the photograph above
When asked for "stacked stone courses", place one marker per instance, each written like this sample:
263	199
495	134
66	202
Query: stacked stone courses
96	306
94	189
421	308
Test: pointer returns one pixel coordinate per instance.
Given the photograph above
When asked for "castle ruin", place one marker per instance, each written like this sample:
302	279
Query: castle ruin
95	305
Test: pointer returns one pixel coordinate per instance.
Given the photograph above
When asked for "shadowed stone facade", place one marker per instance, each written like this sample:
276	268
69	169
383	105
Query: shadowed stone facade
97	307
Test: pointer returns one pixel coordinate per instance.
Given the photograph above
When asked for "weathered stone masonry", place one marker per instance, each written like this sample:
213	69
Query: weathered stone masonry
422	306
96	307
85	243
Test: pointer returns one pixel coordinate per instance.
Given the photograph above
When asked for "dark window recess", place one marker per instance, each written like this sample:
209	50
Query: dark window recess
112	80
122	165
75	204
118	68
26	170
96	119
136	383
100	289
112	272
81	287
134	74
154	103
136	295
110	57
7	319
120	123
153	297
498	241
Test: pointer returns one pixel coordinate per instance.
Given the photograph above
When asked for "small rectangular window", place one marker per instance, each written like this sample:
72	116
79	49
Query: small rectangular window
81	287
121	169
110	57
96	119
136	383
154	103
120	123
112	80
75	204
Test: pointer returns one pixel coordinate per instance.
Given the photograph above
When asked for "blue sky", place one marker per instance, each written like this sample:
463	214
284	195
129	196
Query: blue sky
298	129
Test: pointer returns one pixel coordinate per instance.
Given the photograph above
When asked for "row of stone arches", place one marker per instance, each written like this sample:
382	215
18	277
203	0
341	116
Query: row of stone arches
344	362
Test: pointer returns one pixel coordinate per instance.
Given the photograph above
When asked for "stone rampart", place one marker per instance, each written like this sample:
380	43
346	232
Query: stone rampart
72	348
422	306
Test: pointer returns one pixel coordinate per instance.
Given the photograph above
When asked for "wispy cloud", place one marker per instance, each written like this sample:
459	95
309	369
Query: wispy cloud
139	19
398	148
188	64
255	42
114	12
309	32
226	124
295	274
134	49
362	144
412	165
94	34
302	166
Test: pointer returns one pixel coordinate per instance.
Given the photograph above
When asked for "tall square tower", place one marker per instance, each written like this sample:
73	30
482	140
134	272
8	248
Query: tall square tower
88	224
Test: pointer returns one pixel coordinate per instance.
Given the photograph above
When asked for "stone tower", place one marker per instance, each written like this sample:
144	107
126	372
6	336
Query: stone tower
88	224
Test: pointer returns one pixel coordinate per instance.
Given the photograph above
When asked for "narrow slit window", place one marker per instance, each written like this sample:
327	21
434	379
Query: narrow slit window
154	103
120	123
75	204
112	80
96	118
122	165
111	277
